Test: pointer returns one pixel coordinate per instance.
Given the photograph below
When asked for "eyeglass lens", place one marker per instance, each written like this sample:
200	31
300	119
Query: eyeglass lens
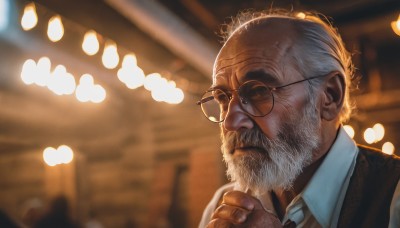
256	99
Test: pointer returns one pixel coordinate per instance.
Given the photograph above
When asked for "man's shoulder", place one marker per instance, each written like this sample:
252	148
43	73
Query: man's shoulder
377	158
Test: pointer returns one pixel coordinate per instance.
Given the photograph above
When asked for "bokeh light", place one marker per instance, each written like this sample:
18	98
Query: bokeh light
110	57
29	19
90	44
388	148
369	136
55	30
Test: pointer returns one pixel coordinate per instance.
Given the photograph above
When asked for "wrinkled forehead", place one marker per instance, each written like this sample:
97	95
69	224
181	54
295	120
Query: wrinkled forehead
257	41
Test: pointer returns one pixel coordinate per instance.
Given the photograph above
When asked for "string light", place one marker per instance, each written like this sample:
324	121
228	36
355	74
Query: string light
55	30
29	18
301	15
379	131
62	82
369	136
130	74
90	44
388	148
27	73
88	91
62	155
396	26
43	71
110	56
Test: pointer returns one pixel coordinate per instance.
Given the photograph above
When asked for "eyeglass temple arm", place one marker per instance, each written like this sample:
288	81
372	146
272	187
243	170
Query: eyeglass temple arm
306	79
204	100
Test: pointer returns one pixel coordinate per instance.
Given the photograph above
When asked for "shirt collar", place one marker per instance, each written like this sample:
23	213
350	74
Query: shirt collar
323	190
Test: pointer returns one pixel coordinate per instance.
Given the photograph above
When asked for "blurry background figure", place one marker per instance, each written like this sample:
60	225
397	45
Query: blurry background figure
92	221
57	215
32	212
7	222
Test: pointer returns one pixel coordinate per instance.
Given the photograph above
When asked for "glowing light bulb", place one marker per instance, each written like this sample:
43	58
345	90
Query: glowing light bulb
56	80
369	136
28	71
349	130
50	156
98	94
151	81
110	56
83	90
396	26
66	154
388	148
379	131
129	61
178	96
90	43
29	18
55	30
43	71
69	84
301	15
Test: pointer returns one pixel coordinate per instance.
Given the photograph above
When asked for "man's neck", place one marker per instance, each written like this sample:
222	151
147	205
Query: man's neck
282	198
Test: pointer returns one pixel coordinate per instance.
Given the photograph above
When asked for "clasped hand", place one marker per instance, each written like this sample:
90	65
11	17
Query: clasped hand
239	209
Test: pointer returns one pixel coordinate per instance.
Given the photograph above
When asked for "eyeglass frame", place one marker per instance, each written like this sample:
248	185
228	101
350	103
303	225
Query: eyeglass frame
271	88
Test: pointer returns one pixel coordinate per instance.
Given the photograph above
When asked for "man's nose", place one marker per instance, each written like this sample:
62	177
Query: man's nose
236	118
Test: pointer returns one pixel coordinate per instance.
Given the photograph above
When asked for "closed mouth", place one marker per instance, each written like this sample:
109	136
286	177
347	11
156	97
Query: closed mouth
247	148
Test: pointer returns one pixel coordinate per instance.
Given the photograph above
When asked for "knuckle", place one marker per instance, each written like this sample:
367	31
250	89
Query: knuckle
219	223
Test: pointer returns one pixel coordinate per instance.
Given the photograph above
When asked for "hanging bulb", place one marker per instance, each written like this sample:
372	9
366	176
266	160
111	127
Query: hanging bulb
90	43
55	30
396	26
129	61
29	18
110	56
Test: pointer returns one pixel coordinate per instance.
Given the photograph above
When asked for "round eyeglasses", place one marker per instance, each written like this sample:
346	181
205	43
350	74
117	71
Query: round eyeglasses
256	99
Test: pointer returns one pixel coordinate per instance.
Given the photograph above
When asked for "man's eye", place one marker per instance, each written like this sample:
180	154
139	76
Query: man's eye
221	97
257	93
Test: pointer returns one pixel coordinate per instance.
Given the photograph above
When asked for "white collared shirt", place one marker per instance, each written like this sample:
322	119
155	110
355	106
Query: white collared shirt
319	204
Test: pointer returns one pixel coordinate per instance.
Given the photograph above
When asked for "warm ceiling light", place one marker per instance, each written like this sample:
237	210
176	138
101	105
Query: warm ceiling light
27	73
29	18
55	30
129	60
396	26
90	44
388	148
301	15
369	136
379	131
110	56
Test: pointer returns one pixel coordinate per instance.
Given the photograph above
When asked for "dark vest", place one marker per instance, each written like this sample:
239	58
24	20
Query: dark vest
371	188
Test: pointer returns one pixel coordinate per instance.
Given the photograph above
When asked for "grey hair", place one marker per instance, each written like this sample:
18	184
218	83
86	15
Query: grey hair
318	50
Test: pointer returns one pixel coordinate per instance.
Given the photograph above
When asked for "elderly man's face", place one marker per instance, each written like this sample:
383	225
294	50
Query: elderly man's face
266	152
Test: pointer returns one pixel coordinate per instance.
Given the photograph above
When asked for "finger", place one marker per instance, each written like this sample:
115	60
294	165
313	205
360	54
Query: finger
240	199
230	213
220	223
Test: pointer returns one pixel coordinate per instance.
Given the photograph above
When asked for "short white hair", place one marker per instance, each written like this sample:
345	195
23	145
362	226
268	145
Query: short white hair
318	49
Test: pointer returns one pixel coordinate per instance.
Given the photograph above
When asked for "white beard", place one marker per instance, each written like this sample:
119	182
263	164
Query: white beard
272	164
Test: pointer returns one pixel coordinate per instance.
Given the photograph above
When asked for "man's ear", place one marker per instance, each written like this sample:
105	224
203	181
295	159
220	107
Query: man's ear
333	96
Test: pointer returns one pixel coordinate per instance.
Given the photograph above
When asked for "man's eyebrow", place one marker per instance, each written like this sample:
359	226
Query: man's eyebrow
262	76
